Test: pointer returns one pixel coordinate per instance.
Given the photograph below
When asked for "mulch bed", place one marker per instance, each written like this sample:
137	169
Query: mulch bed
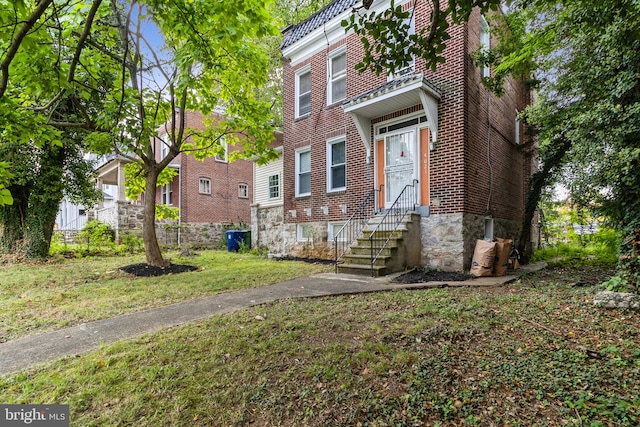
146	270
422	276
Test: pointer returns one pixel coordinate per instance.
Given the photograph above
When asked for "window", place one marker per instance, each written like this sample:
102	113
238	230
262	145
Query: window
336	165
517	130
488	229
274	186
408	68
166	194
485	44
333	230
303	172
224	155
204	186
243	191
337	75
165	142
303	92
305	232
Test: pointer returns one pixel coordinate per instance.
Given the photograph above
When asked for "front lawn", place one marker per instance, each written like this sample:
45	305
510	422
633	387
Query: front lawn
40	297
532	353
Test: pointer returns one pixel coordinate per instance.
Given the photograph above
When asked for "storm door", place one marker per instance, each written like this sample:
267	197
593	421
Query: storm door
400	159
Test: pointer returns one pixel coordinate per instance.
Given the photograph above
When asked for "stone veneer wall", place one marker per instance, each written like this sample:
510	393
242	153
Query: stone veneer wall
126	218
441	242
318	247
448	240
474	230
267	225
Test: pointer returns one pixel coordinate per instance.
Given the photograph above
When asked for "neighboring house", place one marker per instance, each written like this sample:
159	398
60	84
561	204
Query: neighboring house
267	208
349	136
210	194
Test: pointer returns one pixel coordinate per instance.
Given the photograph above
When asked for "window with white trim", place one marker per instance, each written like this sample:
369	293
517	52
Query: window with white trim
243	191
204	186
303	172
336	164
485	44
165	142
337	75
224	155
410	67
274	186
303	91
305	232
333	228
166	194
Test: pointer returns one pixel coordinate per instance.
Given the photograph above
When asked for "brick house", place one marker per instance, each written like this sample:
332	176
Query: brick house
437	138
210	194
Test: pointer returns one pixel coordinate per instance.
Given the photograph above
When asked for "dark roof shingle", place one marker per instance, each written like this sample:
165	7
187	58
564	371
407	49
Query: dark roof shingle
315	21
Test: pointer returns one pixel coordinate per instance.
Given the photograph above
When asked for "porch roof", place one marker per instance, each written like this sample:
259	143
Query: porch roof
395	95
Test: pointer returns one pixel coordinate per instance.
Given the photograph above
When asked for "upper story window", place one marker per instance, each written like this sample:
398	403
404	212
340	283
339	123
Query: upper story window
224	155
303	172
303	91
410	67
243	191
336	164
274	186
485	44
204	186
516	138
165	142
337	75
166	194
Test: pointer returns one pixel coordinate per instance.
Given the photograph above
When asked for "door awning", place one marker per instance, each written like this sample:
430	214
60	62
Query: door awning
395	95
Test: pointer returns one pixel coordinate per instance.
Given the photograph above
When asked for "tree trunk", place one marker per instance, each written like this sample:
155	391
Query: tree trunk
44	202
550	164
12	220
151	246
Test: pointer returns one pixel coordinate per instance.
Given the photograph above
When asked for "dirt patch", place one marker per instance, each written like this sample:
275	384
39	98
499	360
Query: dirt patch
420	275
146	270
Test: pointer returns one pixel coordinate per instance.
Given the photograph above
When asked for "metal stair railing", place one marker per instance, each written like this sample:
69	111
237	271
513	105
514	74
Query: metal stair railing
404	203
352	229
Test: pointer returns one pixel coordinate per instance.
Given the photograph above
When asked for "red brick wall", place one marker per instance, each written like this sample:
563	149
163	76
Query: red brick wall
460	174
223	204
323	123
496	171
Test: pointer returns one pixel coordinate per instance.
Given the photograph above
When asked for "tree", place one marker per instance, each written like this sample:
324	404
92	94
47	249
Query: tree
586	56
209	60
390	45
44	110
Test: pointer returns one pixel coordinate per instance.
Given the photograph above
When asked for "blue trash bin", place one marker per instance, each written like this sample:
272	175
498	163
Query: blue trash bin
234	237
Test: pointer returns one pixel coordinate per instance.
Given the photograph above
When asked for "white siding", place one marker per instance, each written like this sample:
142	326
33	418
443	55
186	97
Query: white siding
261	183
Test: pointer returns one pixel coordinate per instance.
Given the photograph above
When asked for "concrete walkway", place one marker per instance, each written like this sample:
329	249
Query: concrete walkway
37	349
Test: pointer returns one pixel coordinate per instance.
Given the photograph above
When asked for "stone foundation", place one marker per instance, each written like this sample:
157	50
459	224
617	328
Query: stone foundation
316	247
267	228
442	243
126	218
448	240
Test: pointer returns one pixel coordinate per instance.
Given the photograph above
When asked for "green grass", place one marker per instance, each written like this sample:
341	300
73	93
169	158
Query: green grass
42	297
533	353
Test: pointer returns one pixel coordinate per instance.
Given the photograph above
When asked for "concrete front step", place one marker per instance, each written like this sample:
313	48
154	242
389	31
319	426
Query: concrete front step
365	259
363	270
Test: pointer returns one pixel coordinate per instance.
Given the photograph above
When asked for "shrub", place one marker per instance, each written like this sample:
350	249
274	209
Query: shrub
96	234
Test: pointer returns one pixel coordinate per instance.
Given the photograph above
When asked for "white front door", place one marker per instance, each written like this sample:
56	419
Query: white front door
400	159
